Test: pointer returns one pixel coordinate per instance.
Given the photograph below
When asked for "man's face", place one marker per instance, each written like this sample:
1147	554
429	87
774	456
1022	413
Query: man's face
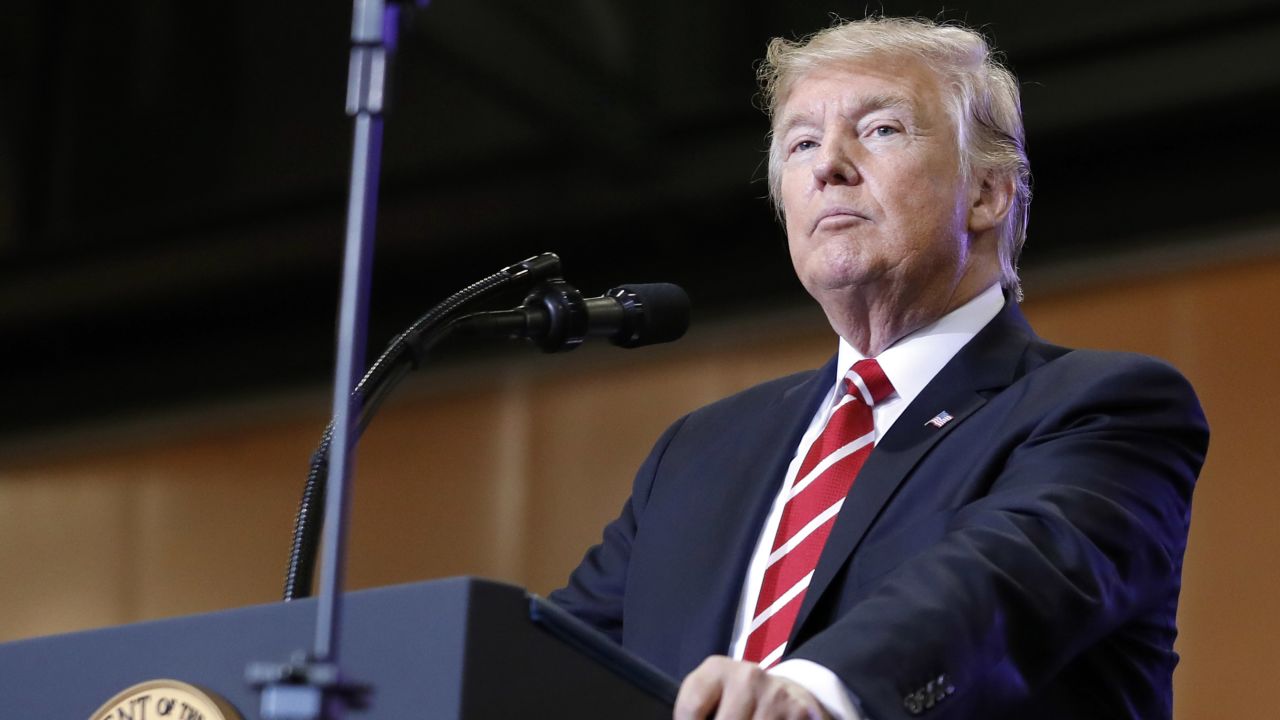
871	188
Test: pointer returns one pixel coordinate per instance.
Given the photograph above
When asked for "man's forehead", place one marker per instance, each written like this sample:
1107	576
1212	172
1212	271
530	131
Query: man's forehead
862	102
856	88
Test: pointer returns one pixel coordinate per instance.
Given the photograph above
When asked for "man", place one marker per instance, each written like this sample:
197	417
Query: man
1012	546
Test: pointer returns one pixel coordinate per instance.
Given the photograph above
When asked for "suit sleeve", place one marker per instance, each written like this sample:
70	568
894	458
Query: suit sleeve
598	585
1081	532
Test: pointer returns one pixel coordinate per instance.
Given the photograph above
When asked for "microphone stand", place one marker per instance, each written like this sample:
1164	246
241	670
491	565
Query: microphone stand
311	686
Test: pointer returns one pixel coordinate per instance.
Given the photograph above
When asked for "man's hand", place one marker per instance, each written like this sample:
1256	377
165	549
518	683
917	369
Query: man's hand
736	690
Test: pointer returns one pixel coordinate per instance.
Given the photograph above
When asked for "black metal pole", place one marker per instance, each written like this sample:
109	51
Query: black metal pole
372	23
313	687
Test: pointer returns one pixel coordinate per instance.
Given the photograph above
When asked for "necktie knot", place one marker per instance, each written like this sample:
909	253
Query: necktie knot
866	380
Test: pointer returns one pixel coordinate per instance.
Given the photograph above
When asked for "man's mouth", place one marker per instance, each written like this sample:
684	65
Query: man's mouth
837	214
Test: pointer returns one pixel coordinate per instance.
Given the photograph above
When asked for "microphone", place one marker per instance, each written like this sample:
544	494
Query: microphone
557	318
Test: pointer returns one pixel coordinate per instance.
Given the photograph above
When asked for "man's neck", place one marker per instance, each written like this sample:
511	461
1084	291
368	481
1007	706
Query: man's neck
872	326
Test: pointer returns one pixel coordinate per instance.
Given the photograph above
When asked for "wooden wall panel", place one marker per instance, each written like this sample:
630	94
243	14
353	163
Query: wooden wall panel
214	515
66	551
428	483
1232	573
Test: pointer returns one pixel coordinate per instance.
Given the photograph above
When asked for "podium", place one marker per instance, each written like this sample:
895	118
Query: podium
454	648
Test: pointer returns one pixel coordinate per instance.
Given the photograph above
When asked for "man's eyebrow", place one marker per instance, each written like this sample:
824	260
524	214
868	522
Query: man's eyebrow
882	101
865	104
788	122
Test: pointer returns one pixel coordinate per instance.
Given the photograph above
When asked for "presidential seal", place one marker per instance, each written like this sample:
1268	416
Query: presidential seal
166	700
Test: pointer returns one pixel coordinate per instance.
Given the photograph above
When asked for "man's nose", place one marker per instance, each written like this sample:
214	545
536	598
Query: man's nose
835	165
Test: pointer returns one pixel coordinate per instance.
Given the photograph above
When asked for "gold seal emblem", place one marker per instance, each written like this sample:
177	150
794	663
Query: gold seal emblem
166	700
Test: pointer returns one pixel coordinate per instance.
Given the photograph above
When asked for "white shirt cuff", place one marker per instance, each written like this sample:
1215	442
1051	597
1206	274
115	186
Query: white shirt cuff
825	686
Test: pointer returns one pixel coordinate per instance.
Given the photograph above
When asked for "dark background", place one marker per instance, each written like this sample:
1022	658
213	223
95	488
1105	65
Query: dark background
173	175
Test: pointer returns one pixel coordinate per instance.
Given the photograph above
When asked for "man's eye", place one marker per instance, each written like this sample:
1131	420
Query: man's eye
884	131
803	145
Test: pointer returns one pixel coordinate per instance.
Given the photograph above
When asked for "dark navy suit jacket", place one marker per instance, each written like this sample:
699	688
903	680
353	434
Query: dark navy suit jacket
1021	561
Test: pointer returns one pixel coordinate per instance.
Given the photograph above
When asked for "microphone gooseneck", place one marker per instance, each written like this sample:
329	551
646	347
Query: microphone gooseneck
396	361
554	316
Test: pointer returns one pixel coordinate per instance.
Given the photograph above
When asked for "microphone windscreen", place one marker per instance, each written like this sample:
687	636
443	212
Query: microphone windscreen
657	313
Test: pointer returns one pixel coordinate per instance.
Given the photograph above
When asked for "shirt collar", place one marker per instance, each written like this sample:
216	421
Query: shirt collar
914	360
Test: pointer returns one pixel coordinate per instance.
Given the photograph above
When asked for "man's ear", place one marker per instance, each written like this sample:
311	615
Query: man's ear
990	199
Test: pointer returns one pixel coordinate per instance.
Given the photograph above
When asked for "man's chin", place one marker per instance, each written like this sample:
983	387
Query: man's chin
841	279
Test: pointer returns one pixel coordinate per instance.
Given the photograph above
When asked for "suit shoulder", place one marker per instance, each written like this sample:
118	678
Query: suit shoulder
759	396
1111	381
1086	364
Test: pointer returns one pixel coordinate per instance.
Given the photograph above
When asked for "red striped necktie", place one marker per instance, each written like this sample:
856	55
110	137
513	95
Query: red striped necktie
810	510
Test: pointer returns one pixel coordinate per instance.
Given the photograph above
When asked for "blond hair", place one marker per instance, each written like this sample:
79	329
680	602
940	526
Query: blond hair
983	101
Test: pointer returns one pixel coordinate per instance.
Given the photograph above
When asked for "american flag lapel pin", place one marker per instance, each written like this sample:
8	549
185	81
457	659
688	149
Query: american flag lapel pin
940	419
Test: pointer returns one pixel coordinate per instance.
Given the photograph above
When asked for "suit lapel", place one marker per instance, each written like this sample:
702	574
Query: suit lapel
744	502
990	361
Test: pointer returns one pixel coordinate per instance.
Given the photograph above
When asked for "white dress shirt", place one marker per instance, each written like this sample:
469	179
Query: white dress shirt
909	364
